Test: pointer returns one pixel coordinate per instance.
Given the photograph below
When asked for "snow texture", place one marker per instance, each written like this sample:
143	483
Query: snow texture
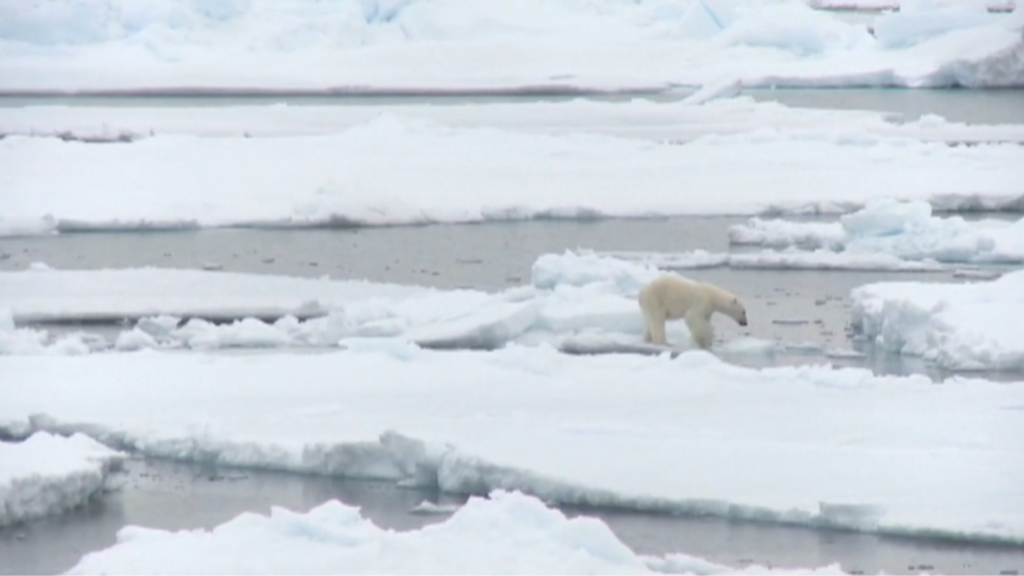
966	326
453	45
889	228
806	445
47	474
507	533
393	171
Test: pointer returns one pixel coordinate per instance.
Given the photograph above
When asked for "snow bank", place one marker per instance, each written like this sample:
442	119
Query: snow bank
638	118
907	230
113	295
806	445
452	45
957	326
47	474
396	171
507	533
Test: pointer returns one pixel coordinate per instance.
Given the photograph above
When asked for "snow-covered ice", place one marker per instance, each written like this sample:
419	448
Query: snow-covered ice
636	118
495	46
805	445
906	230
399	171
507	533
47	474
970	326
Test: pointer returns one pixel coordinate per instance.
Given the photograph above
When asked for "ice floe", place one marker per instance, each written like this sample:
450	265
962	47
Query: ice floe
394	171
885	227
790	259
804	445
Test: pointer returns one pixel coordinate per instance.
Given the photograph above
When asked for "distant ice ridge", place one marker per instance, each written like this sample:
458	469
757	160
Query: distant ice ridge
398	171
506	533
47	474
807	445
973	326
906	230
560	44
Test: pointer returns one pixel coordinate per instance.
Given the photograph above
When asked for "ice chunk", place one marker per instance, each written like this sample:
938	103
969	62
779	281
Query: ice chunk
957	326
47	474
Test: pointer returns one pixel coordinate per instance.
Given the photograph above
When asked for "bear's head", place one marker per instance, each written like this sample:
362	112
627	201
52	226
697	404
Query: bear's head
735	309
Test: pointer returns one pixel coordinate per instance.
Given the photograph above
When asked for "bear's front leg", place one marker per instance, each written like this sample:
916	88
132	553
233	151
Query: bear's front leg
700	329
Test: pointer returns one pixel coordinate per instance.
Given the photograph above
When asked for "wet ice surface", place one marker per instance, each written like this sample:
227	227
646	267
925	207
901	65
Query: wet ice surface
807	311
185	496
1005	106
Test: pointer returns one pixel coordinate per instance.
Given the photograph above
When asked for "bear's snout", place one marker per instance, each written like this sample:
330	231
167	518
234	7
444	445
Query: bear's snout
743	321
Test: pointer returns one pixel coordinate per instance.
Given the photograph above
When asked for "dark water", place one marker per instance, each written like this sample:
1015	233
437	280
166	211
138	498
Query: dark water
994	106
176	496
808	312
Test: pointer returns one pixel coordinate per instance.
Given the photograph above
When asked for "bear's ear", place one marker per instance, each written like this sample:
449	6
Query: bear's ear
736	300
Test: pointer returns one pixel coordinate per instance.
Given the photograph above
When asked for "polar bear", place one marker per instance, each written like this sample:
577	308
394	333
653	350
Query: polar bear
672	298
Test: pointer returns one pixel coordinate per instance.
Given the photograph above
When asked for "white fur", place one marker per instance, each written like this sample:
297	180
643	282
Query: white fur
673	298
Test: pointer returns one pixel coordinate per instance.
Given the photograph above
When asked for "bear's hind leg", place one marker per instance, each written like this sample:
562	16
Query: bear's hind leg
700	329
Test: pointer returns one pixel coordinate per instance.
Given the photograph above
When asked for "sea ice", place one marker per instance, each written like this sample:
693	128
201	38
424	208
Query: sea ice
392	171
967	326
46	474
806	445
789	259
